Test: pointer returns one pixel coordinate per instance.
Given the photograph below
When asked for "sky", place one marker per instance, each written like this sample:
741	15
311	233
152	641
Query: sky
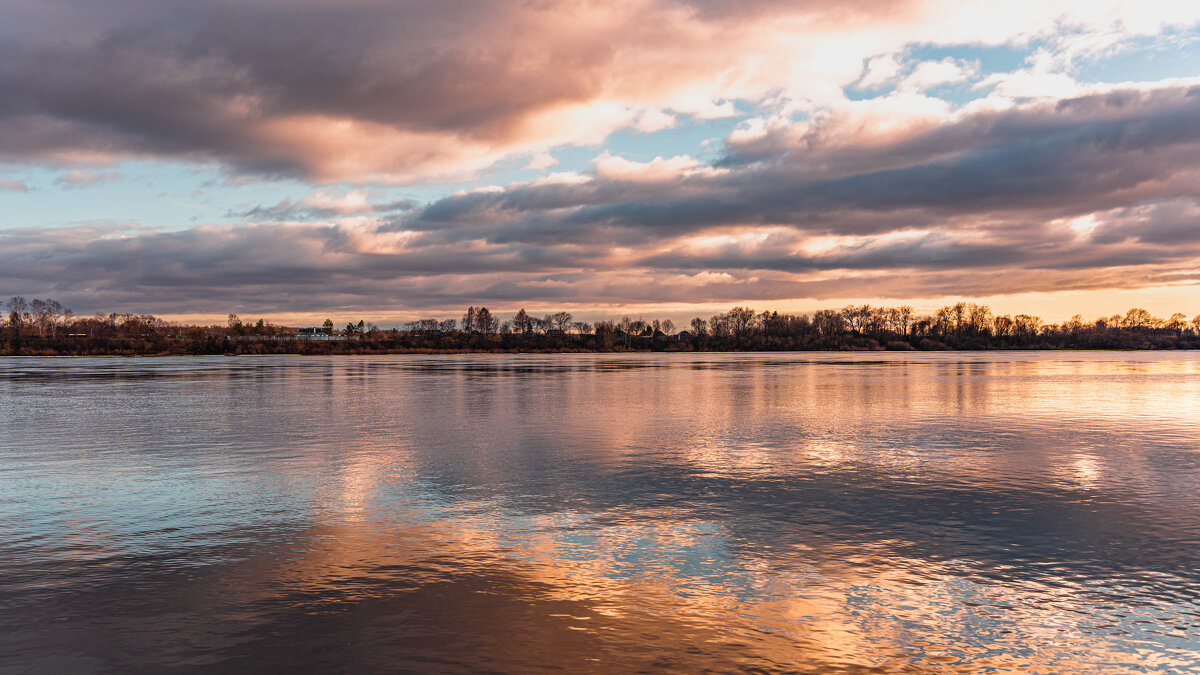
384	159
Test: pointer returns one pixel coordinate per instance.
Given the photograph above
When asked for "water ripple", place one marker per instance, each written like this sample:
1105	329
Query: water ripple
600	513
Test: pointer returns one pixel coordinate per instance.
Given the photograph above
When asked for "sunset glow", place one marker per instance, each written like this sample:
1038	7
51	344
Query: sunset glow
676	157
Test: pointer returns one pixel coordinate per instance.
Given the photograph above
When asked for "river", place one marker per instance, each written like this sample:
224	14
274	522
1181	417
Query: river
827	512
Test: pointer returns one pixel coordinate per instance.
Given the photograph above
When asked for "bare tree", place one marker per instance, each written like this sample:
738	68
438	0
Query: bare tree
904	317
484	321
1027	325
522	323
829	322
857	316
979	318
1004	325
605	334
718	325
740	320
1138	318
17	309
54	311
40	309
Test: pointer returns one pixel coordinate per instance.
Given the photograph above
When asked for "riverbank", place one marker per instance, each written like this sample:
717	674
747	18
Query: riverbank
158	345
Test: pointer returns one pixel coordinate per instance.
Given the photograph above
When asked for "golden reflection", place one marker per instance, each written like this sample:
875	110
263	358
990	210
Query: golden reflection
1085	471
869	609
861	608
812	517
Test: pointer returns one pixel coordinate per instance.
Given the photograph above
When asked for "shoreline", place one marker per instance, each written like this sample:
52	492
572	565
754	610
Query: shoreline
553	352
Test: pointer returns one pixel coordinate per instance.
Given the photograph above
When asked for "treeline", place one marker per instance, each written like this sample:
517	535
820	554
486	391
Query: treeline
45	327
958	326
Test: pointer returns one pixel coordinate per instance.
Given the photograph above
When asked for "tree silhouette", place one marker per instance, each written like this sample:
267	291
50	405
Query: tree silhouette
34	328
17	307
522	323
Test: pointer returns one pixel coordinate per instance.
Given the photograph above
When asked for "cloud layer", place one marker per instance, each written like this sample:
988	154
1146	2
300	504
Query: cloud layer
1036	181
1092	192
384	90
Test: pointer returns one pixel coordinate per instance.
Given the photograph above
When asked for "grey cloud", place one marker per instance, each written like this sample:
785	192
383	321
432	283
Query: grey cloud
992	217
1097	153
205	81
288	210
208	269
928	254
278	267
1165	223
192	80
986	194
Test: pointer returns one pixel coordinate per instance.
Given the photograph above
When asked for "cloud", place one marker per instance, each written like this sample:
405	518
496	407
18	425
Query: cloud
928	74
658	170
10	185
1038	161
403	92
322	204
541	161
1167	223
880	71
1096	191
1043	183
82	178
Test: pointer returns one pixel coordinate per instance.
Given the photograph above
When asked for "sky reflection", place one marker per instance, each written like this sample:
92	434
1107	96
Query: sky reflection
465	513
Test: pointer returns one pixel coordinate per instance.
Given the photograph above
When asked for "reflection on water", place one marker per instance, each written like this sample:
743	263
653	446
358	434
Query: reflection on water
601	513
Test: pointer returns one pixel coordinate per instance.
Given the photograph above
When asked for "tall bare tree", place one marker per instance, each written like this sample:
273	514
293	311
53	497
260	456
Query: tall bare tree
522	322
484	321
17	311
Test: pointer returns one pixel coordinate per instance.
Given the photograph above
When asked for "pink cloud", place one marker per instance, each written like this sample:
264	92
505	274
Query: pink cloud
378	91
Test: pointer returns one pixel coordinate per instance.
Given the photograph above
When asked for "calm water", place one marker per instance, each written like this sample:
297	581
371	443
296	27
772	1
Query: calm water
965	512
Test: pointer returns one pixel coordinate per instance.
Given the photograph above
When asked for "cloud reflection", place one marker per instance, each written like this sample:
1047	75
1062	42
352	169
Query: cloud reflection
833	513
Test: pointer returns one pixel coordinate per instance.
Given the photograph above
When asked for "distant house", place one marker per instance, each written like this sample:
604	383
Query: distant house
317	334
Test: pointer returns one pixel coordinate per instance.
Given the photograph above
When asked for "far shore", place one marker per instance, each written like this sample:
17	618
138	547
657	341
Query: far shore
46	328
125	353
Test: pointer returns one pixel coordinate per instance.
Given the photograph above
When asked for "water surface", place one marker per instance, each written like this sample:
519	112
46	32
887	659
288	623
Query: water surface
601	513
